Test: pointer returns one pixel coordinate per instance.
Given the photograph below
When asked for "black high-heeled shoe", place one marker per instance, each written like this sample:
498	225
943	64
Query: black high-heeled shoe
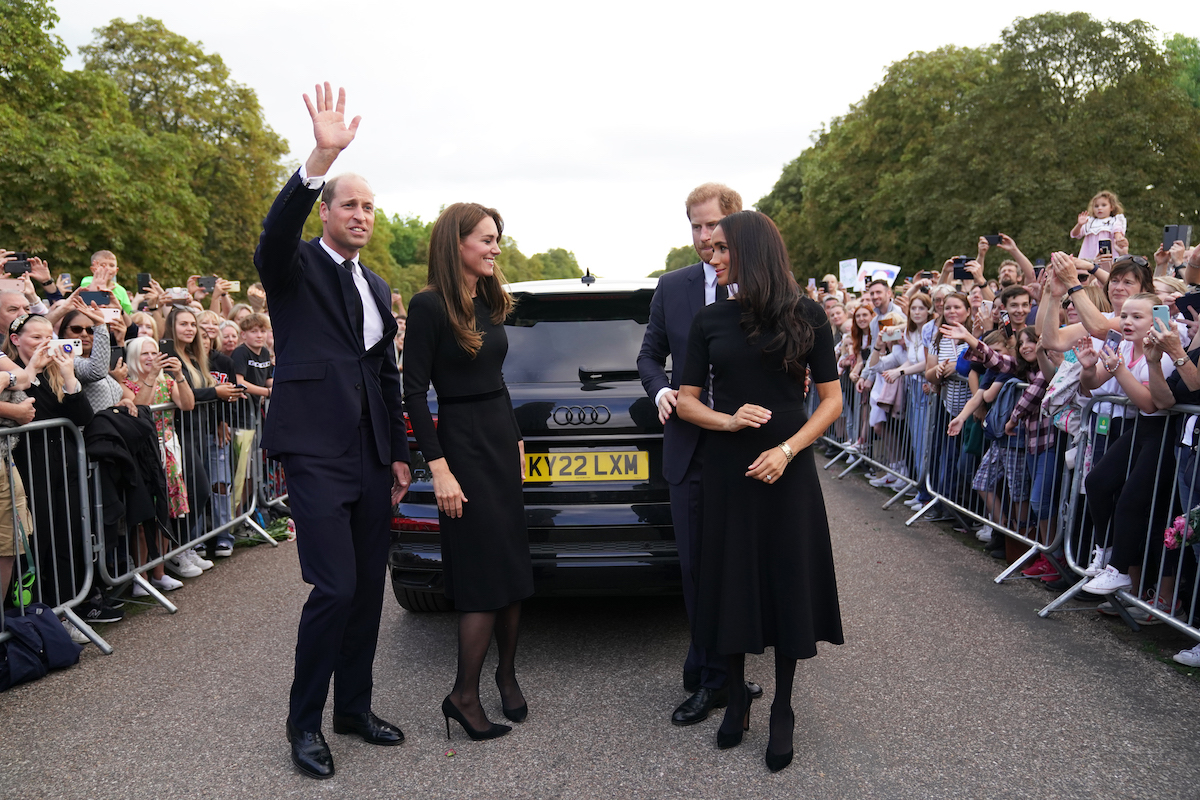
492	732
777	761
728	740
517	714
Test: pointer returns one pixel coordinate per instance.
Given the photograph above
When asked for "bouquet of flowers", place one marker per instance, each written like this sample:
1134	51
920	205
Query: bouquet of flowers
1182	531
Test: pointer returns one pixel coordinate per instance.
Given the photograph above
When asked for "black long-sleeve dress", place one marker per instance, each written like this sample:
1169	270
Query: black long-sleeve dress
485	552
766	563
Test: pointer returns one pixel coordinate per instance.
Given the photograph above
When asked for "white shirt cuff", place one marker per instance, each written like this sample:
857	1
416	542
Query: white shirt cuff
311	182
661	391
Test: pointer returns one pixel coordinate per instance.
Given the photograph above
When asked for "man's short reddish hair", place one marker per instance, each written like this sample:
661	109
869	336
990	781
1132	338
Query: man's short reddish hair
729	200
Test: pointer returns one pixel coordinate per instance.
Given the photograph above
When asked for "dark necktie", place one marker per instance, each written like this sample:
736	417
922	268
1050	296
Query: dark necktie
354	298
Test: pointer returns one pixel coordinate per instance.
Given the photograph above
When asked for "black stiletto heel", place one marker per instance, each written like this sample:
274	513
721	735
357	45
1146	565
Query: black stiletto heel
450	710
728	740
777	761
517	714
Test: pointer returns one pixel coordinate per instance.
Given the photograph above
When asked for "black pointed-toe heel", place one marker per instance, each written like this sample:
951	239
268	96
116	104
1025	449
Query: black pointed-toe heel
777	762
517	714
728	740
493	730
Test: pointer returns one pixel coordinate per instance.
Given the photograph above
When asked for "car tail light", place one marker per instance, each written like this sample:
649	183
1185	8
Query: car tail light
412	440
403	523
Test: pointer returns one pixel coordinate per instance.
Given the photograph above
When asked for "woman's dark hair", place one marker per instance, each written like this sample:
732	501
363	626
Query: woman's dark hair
67	319
767	290
1025	368
447	276
1136	266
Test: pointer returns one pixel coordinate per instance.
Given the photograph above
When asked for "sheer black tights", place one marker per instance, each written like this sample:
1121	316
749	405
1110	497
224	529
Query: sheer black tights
475	630
783	720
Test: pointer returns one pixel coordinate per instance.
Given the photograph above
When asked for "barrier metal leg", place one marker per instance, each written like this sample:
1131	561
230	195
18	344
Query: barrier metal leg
922	511
153	591
258	529
1057	603
909	486
850	467
87	631
1123	612
1016	565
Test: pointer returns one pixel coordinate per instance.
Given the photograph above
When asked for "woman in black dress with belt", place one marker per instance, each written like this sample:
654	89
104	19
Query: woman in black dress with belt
456	341
766	564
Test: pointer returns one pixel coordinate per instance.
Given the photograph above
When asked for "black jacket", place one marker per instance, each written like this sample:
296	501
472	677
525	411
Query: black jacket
133	484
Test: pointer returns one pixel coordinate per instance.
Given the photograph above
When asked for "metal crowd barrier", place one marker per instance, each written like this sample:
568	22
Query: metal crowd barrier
1170	488
56	567
216	447
887	446
1045	516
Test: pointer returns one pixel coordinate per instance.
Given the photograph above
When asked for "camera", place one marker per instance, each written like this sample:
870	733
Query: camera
208	283
18	267
992	240
961	273
70	346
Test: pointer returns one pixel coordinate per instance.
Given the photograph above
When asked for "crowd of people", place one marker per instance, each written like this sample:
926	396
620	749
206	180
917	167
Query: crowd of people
75	352
987	381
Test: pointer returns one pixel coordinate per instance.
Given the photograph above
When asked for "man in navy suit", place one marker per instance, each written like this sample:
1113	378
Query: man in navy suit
336	424
679	297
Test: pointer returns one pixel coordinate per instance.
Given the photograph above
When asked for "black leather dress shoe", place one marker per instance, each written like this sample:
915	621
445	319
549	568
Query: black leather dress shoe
691	681
697	707
371	728
754	689
310	754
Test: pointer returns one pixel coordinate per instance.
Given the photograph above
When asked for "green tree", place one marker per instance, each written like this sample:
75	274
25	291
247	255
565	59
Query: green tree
678	257
1013	137
410	240
230	155
1184	54
76	174
555	263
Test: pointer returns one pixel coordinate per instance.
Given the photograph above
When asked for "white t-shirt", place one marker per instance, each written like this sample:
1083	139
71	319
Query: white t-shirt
1140	370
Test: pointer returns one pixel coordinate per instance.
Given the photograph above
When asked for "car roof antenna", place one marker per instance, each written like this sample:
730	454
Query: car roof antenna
588	279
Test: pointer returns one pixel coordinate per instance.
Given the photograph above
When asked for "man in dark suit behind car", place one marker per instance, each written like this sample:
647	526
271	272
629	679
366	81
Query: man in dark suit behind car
336	424
679	297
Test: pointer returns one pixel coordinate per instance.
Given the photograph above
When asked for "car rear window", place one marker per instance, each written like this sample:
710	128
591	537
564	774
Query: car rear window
556	338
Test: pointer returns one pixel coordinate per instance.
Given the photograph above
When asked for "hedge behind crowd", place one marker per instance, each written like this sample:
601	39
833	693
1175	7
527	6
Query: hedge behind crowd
1014	137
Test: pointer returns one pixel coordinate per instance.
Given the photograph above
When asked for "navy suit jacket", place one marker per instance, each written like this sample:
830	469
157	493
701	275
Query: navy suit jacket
323	374
677	299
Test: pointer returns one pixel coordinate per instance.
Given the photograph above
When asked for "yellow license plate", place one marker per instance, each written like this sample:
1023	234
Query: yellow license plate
591	466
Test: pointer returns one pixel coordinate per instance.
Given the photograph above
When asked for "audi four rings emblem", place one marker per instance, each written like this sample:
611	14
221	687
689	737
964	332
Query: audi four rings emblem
582	415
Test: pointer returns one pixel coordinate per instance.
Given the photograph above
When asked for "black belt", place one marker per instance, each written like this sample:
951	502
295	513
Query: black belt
471	398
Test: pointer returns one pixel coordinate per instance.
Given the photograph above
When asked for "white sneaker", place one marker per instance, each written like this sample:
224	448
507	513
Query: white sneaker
182	566
1190	657
197	559
880	479
138	591
984	534
1108	582
1100	556
76	635
166	583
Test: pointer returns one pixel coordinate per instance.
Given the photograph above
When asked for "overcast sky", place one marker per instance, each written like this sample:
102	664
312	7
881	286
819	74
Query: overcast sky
586	126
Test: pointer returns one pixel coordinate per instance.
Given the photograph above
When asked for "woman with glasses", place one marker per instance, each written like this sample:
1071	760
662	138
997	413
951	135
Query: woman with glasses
92	362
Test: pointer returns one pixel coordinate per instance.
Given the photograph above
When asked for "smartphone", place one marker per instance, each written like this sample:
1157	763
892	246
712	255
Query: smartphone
100	298
1105	247
20	266
112	314
115	355
961	273
1189	302
167	348
1163	314
1006	323
926	275
1038	269
178	293
72	346
12	285
143	281
1176	233
987	307
1113	341
235	286
66	280
992	240
812	283
208	283
825	287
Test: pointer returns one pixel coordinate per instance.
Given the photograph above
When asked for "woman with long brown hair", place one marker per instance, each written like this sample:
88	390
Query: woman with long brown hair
765	572
456	342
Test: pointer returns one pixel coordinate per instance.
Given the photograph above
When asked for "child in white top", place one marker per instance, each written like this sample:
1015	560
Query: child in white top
1103	219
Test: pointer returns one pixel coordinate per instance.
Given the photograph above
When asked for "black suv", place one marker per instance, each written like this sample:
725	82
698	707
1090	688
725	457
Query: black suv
597	505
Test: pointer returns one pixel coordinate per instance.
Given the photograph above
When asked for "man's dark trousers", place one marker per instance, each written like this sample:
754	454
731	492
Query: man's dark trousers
342	509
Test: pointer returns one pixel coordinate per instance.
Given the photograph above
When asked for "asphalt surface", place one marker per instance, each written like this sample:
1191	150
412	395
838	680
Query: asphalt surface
948	686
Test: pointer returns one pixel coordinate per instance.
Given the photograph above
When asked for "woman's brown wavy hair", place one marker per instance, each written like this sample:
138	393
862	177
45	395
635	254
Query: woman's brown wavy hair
448	278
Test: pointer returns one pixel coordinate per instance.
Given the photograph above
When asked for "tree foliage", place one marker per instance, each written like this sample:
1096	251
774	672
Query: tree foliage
1014	137
678	257
1184	55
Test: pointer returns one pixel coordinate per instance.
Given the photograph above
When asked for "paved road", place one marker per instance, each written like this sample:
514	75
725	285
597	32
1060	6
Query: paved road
948	686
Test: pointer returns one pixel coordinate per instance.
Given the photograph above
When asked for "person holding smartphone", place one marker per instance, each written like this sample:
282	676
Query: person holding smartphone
104	278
